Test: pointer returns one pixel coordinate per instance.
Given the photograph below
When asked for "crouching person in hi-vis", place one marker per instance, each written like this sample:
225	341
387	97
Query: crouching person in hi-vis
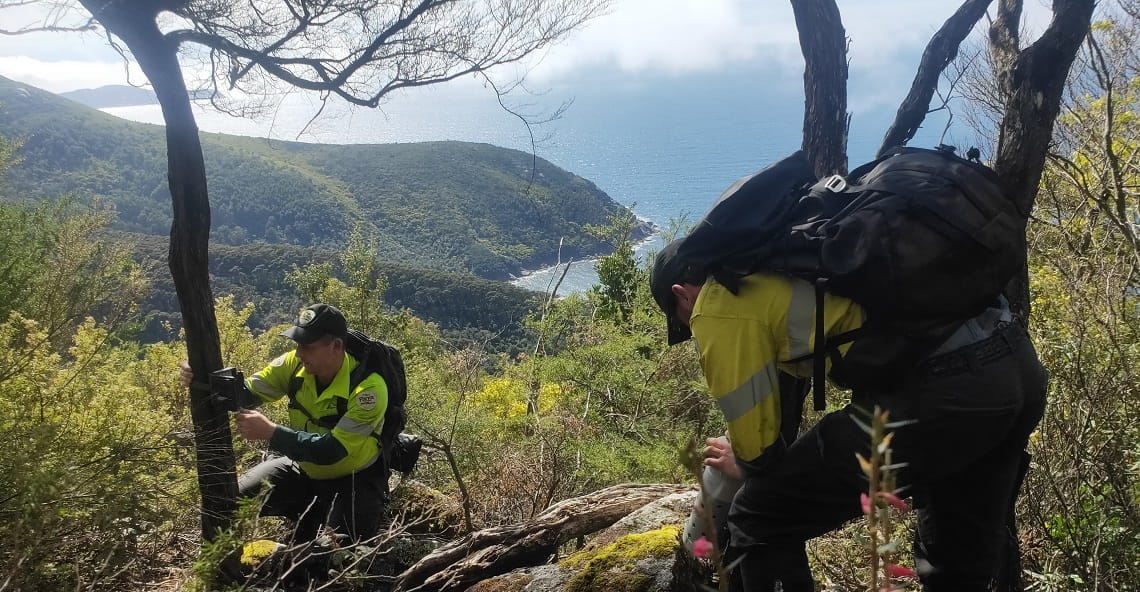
327	469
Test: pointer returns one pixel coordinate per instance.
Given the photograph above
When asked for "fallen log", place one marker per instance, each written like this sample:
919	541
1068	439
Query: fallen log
495	551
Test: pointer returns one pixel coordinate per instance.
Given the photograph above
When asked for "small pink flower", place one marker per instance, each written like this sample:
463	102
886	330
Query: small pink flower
865	502
894	500
898	571
702	547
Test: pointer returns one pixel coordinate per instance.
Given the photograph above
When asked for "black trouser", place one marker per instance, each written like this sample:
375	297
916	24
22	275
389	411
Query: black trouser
975	408
351	505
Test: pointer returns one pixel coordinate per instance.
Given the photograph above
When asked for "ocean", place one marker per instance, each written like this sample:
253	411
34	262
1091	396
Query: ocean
666	147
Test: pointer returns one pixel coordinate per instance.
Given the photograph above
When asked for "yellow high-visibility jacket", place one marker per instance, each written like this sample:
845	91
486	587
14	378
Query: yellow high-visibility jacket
334	449
744	339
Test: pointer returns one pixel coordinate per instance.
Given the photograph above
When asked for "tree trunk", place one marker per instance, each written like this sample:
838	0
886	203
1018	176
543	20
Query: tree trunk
824	45
1033	81
496	551
134	23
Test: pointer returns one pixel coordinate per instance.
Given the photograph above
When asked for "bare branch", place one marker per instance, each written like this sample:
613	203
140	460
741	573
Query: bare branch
1004	38
90	26
1036	80
940	51
362	50
52	17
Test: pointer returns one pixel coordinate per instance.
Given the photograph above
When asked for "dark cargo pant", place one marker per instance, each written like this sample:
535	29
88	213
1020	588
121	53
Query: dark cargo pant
975	406
351	505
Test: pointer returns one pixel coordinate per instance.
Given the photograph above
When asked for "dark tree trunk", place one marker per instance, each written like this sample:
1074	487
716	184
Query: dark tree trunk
134	23
824	45
941	50
1033	81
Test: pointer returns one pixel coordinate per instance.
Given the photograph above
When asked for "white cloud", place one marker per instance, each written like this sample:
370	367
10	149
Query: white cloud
655	37
65	75
681	36
673	37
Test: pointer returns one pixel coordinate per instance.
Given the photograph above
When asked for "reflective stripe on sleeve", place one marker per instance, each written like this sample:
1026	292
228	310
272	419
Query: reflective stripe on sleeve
259	386
748	395
352	426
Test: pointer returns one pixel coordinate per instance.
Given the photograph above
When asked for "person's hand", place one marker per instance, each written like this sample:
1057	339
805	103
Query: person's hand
718	455
252	425
185	373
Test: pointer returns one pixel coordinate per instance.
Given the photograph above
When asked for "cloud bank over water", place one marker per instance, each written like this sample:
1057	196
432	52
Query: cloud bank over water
636	38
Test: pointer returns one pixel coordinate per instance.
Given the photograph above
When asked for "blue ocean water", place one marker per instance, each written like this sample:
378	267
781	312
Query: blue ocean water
666	146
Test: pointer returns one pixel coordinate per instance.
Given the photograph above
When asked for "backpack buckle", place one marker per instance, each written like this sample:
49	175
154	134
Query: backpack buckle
835	184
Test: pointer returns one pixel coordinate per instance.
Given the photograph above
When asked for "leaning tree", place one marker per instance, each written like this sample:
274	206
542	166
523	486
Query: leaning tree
359	51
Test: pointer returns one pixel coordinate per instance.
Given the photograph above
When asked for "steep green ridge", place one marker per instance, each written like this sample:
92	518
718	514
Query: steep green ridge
467	308
115	95
443	205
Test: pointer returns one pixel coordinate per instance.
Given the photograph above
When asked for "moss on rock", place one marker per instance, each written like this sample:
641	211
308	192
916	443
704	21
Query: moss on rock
254	552
612	568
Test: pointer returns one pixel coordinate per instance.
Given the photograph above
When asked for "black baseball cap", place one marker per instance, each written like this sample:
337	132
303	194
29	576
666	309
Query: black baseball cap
315	322
669	269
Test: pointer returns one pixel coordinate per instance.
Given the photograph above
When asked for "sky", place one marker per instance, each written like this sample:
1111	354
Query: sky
636	38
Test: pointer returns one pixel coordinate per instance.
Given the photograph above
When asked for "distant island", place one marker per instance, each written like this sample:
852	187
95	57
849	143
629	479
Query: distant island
120	95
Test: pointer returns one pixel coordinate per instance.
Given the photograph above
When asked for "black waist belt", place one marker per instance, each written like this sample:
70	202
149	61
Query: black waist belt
968	357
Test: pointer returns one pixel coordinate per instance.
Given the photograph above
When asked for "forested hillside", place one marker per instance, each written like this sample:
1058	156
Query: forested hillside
468	310
443	205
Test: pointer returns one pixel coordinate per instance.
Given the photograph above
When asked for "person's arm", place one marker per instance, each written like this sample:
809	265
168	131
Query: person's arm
271	382
321	449
364	413
245	398
740	367
739	360
718	455
298	445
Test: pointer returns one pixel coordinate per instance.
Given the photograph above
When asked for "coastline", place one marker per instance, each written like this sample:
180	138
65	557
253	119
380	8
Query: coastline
581	275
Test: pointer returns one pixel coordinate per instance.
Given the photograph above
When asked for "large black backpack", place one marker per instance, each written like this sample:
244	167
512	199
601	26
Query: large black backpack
375	356
921	239
399	450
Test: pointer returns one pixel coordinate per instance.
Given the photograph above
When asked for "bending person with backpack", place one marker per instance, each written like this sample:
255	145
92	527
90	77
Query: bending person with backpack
329	468
975	398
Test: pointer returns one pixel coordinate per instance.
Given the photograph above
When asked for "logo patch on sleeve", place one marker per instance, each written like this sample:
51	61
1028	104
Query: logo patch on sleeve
366	400
278	361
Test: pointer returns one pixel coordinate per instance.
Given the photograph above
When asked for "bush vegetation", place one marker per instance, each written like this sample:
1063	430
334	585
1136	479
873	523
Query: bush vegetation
97	490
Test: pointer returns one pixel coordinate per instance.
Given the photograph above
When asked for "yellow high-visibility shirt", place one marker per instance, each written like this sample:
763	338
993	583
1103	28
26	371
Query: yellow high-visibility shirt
744	339
363	413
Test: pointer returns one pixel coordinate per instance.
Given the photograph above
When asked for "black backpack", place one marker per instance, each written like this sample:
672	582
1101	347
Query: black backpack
400	451
922	239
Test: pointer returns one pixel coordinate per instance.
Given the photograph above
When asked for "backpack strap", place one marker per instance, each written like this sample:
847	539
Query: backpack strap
819	374
825	348
329	421
361	371
355	378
